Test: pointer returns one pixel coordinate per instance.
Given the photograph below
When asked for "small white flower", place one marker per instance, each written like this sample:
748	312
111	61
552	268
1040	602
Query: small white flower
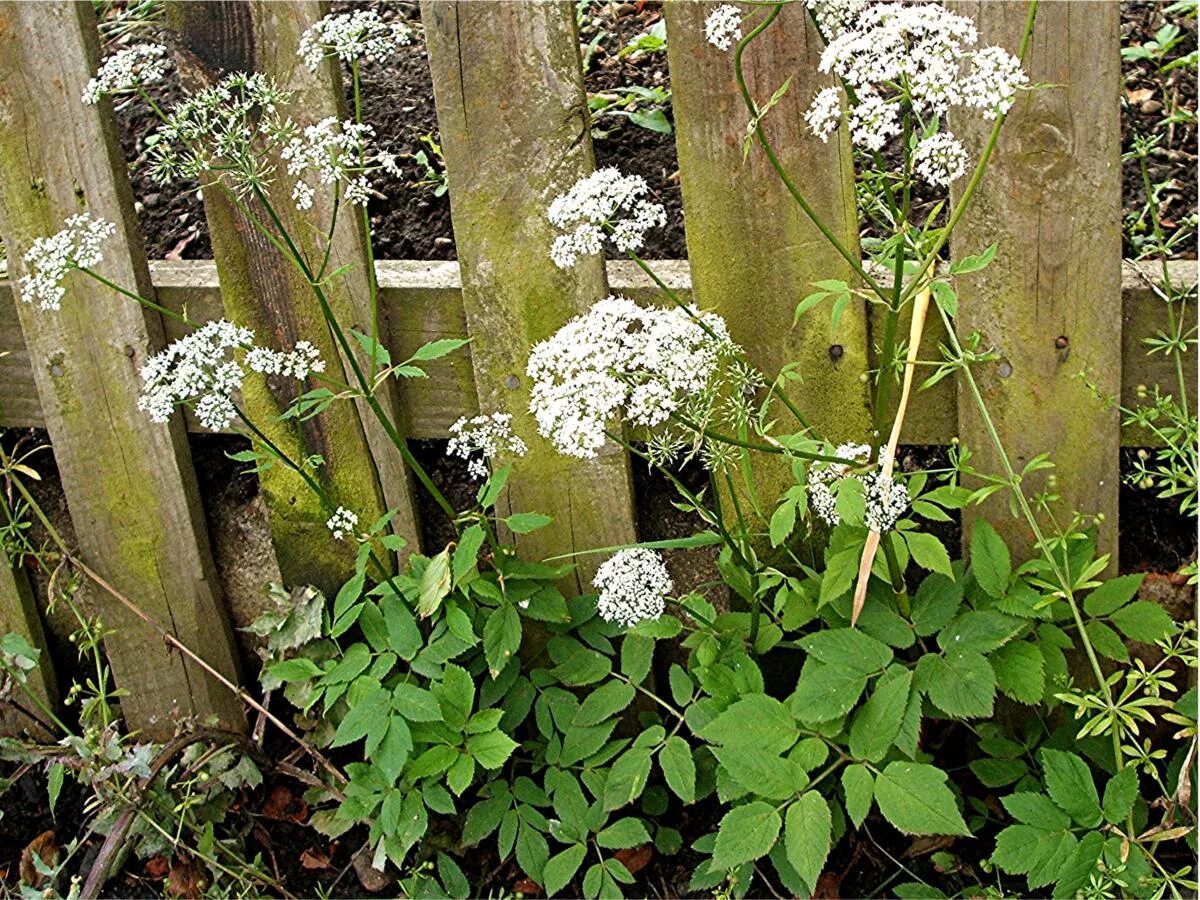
633	586
835	16
873	121
127	71
723	27
823	476
49	259
482	438
825	112
202	369
993	79
358	36
342	523
605	204
334	152
885	499
940	159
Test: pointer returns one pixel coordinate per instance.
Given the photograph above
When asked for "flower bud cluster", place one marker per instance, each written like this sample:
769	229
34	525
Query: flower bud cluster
605	205
360	36
202	369
482	438
127	71
618	356
49	259
886	499
342	523
723	27
633	585
335	152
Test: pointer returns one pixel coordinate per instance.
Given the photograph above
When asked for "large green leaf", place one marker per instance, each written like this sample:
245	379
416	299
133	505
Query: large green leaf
859	785
1070	785
849	648
878	722
501	637
678	767
807	835
961	683
826	692
990	563
757	721
914	798
745	834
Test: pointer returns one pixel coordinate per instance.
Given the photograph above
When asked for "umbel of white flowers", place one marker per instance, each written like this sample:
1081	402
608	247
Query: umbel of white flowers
49	259
885	498
203	369
342	523
127	71
645	361
352	37
482	438
633	587
604	206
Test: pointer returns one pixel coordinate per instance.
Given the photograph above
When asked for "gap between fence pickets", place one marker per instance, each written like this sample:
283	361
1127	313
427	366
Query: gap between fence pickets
420	297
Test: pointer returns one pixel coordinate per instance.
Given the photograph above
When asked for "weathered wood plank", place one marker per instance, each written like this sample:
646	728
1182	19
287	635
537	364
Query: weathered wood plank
753	251
129	483
513	122
19	615
1052	199
262	290
424	302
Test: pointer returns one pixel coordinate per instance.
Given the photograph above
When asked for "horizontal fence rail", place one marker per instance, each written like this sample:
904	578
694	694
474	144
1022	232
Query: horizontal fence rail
424	303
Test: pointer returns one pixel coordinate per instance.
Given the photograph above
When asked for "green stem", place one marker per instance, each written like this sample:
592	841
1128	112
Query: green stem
149	304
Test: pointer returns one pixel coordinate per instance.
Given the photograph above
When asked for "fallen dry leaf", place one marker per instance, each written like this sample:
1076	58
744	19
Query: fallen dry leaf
186	880
527	887
1139	95
284	806
176	252
372	880
157	867
312	858
45	846
635	858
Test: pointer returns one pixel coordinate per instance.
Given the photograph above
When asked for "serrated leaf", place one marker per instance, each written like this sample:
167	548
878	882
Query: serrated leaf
524	523
756	720
915	799
982	630
1070	785
622	834
561	868
604	703
501	637
990	561
1143	621
878	722
975	262
627	778
1112	595
1019	671
437	349
807	835
859	785
936	602
746	833
675	759
961	684
849	648
759	772
928	552
492	749
826	692
1120	794
435	584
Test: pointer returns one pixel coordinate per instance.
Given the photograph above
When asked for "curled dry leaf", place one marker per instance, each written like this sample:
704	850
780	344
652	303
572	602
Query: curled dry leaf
43	847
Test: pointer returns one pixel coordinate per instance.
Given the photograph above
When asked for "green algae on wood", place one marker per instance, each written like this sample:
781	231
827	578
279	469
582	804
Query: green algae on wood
129	483
512	115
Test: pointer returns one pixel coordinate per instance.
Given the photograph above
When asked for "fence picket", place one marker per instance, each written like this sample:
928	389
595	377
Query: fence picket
753	252
129	483
263	291
1050	304
19	614
514	130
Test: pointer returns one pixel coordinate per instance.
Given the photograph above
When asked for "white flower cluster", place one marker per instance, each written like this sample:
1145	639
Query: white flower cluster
723	27
222	126
633	586
335	152
126	71
352	37
649	361
201	369
49	259
342	523
892	54
604	204
886	499
486	436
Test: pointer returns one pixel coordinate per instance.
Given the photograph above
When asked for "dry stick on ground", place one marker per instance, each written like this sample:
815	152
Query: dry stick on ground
920	308
170	640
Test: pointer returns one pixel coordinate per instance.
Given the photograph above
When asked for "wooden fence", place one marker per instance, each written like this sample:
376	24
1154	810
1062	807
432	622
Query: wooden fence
510	99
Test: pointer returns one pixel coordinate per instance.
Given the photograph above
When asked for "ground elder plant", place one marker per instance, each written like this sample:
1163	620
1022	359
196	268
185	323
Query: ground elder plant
845	684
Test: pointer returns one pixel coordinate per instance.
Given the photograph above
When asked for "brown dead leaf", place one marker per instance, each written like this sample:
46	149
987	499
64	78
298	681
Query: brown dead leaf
313	858
372	880
923	846
176	252
828	887
157	867
186	880
635	858
1139	95
527	887
45	846
284	806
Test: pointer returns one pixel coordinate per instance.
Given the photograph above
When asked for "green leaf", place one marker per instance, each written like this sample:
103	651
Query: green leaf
807	835
928	552
1143	621
762	773
467	552
990	562
859	785
783	520
974	263
637	654
1106	641
914	798
878	722
1119	795
438	349
623	834
415	704
756	720
577	665
1036	809
1019	671
995	773
937	600
368	712
945	297
392	752
826	692
523	523
1022	848
501	637
435	584
456	696
849	648
745	834
1070	785
960	684
678	768
604	702
627	778
982	630
561	868
404	635
492	749
1112	595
